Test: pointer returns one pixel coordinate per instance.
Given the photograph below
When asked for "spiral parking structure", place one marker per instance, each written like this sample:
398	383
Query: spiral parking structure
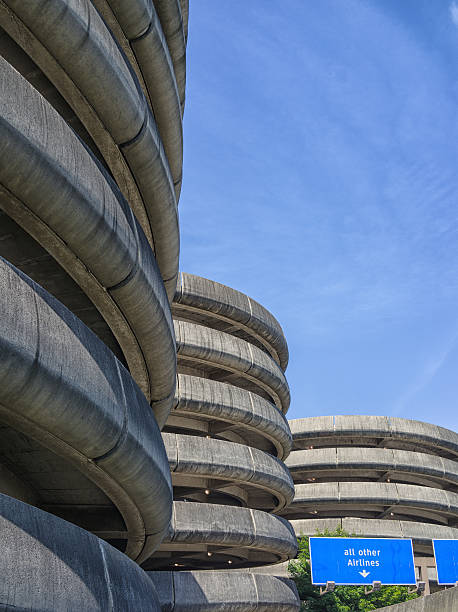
91	493
375	476
226	439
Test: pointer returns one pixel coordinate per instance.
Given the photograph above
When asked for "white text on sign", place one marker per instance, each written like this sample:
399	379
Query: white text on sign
362	562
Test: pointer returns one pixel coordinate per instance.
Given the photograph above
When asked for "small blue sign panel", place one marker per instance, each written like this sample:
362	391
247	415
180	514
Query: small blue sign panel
361	561
446	554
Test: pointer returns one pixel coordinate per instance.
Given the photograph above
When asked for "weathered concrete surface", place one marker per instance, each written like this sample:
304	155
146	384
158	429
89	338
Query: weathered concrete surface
364	430
248	537
375	476
49	564
185	15
365	463
443	601
137	28
56	191
375	528
204	349
417	501
65	38
173	26
222	591
62	386
215	305
227	407
217	461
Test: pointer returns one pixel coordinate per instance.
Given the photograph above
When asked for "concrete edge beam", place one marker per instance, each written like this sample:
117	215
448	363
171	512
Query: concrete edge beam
49	564
231	526
185	15
366	494
58	193
418	531
142	36
197	457
64	39
214	591
389	429
196	343
387	460
196	295
221	402
63	387
173	26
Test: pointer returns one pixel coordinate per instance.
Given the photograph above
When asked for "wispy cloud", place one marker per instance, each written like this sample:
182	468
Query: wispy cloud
454	12
426	375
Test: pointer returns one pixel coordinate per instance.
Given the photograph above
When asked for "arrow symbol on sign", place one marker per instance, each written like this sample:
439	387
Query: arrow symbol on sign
364	574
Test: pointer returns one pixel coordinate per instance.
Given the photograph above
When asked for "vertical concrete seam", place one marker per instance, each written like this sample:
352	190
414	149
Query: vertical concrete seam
177	391
177	454
252	405
253	467
397	493
251	311
251	357
253	521
255	584
173	602
106	572
123	433
172	524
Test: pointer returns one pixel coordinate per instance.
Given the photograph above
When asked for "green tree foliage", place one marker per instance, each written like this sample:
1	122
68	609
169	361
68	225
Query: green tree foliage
344	598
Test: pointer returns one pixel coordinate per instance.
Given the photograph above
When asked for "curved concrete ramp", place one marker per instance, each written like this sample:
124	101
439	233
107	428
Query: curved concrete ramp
195	462
70	209
203	535
218	355
60	385
212	304
225	408
63	39
224	591
49	564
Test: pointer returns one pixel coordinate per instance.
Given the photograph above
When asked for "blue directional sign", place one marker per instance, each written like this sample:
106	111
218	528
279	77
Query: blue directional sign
446	554
361	561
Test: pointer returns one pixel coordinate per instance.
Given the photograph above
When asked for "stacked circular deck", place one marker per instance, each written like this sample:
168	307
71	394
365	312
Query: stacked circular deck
375	477
226	440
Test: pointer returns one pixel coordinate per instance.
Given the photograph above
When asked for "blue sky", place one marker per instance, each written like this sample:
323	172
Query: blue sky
321	178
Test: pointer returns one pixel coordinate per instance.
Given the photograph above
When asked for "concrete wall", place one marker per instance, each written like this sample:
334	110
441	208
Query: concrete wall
444	601
49	564
219	407
224	591
209	303
63	387
202	348
69	206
